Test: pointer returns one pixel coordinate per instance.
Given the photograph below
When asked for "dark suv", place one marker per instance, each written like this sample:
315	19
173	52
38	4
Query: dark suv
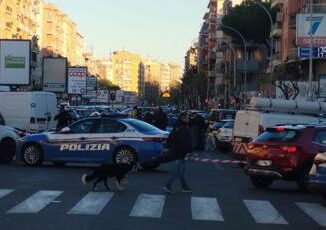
284	152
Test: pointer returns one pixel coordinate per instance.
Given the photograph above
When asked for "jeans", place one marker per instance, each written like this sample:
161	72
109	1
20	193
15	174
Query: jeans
178	169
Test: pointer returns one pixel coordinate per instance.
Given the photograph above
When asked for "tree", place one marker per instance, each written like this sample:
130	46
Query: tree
106	84
251	21
152	92
194	88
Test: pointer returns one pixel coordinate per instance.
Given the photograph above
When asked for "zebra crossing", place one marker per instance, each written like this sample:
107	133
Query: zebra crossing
152	206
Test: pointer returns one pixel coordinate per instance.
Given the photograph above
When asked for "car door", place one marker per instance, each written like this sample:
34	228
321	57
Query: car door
107	133
73	145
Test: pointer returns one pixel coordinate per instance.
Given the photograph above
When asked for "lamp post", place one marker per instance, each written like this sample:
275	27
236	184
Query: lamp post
234	63
245	54
310	94
272	39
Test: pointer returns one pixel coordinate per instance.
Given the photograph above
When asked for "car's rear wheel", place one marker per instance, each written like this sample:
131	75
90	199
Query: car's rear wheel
124	155
33	155
261	182
8	150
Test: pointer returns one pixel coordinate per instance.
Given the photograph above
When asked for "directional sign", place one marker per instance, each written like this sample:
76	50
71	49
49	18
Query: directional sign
317	52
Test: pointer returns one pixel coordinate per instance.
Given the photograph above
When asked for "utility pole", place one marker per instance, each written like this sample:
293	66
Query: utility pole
310	94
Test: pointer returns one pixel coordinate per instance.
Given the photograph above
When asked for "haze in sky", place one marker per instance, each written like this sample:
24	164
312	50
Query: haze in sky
162	29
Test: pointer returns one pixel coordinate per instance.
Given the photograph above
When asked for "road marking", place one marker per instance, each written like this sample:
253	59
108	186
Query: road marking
203	208
5	192
264	212
92	204
148	205
315	211
36	202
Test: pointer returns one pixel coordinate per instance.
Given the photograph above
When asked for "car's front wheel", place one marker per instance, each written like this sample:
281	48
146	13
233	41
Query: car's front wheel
33	155
124	155
7	150
261	182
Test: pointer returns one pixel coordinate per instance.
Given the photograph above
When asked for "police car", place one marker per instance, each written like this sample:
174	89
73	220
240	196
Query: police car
105	139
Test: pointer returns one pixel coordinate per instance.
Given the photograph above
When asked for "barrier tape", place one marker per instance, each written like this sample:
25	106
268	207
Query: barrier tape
215	161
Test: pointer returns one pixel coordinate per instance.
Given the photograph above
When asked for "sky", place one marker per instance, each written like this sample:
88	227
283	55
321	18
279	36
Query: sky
161	29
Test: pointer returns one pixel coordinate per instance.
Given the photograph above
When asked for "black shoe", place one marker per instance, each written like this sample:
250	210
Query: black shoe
186	189
168	189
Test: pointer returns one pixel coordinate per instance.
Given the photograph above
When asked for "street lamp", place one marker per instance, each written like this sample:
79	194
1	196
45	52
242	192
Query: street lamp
234	63
272	39
245	54
310	94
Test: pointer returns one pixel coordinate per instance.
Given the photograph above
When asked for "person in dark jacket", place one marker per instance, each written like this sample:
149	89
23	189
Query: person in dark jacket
179	144
63	118
198	129
161	119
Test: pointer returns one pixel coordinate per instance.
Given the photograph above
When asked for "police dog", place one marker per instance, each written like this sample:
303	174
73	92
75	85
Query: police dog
104	171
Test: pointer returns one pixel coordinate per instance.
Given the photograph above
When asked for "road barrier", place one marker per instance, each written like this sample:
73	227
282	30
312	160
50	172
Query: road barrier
215	161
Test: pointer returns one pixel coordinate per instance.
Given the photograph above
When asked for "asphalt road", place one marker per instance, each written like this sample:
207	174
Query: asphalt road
51	197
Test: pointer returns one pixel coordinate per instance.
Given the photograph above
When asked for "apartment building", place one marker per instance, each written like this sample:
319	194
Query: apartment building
284	32
126	70
60	35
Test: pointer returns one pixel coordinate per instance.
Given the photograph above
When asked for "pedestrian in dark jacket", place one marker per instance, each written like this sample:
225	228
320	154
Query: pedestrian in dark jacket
161	119
179	144
63	118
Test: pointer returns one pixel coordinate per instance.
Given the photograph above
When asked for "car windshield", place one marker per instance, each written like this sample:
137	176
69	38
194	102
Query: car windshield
142	126
219	124
229	125
275	135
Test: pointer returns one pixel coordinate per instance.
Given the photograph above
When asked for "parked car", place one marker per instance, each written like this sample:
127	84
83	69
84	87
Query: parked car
2	120
317	175
224	136
110	139
8	139
221	114
285	153
250	123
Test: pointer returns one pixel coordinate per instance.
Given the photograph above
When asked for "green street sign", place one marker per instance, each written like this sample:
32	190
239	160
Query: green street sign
14	62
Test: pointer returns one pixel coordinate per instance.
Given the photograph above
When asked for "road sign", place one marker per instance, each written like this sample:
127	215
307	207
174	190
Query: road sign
317	52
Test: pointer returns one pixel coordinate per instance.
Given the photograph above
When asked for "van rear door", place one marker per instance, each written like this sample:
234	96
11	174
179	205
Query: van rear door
39	110
244	127
51	110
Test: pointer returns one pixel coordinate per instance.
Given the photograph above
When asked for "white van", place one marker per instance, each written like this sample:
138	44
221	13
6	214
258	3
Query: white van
30	111
270	112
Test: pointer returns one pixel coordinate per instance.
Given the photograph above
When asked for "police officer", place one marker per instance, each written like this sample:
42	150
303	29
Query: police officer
63	118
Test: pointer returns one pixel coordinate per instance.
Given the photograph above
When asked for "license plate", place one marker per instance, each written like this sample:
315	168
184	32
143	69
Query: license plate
264	163
237	139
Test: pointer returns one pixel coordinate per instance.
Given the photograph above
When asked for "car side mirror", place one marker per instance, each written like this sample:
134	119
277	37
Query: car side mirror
65	130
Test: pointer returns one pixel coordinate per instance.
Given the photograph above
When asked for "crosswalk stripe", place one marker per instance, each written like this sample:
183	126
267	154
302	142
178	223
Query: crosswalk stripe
204	208
36	202
148	206
92	204
315	211
264	212
5	192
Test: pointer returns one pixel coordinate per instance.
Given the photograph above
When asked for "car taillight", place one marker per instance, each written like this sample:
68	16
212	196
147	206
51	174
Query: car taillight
32	120
260	129
289	149
153	139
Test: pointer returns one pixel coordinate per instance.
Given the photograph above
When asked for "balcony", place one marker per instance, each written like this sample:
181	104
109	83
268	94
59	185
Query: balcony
213	17
277	3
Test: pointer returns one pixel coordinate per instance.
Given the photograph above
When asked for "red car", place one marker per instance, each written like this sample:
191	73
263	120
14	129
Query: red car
286	153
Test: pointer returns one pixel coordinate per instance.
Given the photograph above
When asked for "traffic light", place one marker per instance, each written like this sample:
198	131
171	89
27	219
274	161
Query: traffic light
194	69
112	96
